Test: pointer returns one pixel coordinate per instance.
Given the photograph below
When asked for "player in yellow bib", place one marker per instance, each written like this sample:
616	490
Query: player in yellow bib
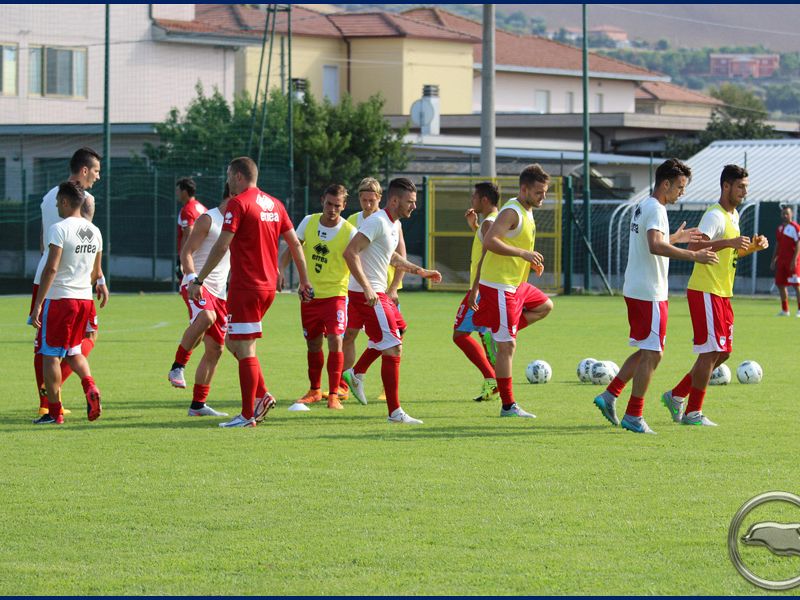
507	301
369	197
709	294
324	237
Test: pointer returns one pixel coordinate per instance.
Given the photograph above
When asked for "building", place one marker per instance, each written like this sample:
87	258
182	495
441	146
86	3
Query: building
662	98
737	66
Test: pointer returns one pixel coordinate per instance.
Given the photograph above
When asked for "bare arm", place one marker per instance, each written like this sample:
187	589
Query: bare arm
218	250
398	273
99	281
296	250
505	222
48	275
87	208
739	243
660	247
195	240
353	259
401	264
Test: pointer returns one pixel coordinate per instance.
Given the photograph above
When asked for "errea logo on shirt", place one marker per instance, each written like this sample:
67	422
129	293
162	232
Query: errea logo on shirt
228	218
266	204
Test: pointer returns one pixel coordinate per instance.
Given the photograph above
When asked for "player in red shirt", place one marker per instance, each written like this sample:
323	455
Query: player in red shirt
191	209
252	227
786	260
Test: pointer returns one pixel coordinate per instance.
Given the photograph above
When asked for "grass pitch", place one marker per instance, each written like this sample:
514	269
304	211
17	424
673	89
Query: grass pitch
149	501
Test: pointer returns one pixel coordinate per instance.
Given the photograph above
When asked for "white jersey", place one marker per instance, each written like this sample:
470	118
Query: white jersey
80	241
215	282
646	276
384	235
50	217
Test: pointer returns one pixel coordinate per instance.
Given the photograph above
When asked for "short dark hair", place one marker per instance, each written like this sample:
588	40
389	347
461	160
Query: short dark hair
335	189
71	192
187	184
671	169
83	157
245	166
487	189
731	173
399	185
533	174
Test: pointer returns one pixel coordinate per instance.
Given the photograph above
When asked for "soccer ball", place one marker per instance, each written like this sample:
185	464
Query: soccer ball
538	371
721	376
602	372
584	370
749	372
612	367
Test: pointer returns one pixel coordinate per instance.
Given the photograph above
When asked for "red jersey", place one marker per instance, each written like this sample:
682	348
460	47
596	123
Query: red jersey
257	220
787	236
188	215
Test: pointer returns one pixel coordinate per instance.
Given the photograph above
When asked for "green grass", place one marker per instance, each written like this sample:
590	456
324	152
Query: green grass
148	501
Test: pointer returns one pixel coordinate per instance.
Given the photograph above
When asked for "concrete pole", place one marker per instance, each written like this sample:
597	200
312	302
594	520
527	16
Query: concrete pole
488	166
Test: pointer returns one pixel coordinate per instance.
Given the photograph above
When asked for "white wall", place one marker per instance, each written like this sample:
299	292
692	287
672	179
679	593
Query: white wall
516	92
147	78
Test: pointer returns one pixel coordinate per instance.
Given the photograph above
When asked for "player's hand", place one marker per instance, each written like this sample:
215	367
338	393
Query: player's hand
370	296
472	218
305	291
532	257
472	299
36	315
741	243
706	256
102	294
195	291
434	276
686	236
392	295
761	242
281	282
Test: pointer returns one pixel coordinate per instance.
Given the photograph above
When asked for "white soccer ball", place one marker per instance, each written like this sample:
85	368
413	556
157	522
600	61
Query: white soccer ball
601	373
749	372
538	371
584	370
720	376
612	367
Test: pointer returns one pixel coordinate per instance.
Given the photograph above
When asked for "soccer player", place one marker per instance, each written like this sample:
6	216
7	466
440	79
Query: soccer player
64	302
324	237
84	167
208	317
191	210
484	204
252	227
646	290
507	301
369	255
369	197
786	260
709	294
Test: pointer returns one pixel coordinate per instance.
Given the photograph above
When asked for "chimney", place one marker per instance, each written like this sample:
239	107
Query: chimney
430	97
299	89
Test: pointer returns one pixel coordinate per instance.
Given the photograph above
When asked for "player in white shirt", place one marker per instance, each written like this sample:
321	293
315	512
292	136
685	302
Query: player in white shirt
64	302
646	290
84	167
368	256
208	317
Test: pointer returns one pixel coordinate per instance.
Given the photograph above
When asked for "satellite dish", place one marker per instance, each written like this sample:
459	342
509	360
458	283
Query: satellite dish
422	112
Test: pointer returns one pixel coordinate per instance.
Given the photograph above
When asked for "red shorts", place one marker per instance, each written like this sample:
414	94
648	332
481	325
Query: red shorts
246	308
356	321
63	326
211	303
91	322
712	322
787	274
324	316
501	311
648	322
379	321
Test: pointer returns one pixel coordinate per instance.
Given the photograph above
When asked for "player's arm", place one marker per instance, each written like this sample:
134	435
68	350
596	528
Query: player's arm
472	219
740	243
506	221
473	291
686	236
215	255
87	208
295	248
352	257
99	281
758	243
401	264
199	233
661	247
796	252
41	239
48	275
398	273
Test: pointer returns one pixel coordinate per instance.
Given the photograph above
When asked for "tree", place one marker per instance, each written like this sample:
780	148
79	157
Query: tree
721	127
740	103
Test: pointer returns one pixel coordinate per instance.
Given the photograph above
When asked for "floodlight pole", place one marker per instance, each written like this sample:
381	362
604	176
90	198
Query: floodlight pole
587	174
488	151
107	151
291	105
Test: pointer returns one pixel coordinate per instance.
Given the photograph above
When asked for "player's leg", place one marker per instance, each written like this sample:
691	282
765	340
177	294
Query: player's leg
334	367
213	350
51	373
349	346
534	304
633	419
784	294
192	336
606	401
796	287
80	366
316	362
473	350
537	313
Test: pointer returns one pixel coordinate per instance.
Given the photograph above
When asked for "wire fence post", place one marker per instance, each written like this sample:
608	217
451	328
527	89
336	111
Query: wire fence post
155	220
568	201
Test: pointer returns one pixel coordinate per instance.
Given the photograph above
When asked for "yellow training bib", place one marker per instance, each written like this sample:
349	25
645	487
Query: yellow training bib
718	279
512	270
327	269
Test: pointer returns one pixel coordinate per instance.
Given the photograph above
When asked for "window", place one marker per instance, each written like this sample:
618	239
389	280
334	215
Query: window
8	70
570	104
330	83
598	103
57	72
542	101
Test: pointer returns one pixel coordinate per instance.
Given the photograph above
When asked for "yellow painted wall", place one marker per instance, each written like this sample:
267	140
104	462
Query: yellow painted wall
446	64
377	66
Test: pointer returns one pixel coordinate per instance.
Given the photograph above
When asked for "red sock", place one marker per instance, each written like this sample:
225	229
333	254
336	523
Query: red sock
475	353
369	356
54	408
785	305
506	392
635	407
682	389
335	364
182	355
66	371
696	398
200	392
615	389
88	384
316	360
261	386
39	373
249	373
390	374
